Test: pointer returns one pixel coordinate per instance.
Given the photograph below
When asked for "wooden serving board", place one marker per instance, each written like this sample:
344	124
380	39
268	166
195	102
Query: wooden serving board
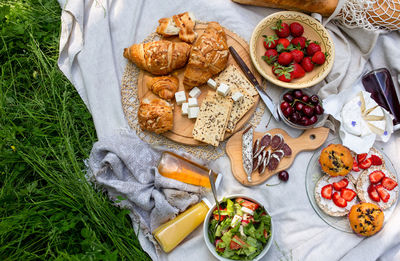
183	127
311	139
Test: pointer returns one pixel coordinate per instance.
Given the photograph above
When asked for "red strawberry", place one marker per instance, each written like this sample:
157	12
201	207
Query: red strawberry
383	194
348	194
318	58
270	56
313	48
297	55
341	184
274	70
270	41
285	78
326	191
373	194
361	157
285	58
389	183
355	166
338	200
283	43
299	42
281	29
296	29
307	65
376	176
298	71
376	160
365	164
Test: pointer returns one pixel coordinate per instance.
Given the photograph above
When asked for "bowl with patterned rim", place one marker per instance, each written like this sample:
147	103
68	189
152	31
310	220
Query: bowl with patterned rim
313	31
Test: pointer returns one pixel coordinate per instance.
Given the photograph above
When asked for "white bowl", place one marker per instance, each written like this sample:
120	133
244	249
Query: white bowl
211	247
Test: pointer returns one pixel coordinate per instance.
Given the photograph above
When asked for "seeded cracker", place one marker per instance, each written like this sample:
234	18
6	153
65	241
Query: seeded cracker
240	108
212	119
233	75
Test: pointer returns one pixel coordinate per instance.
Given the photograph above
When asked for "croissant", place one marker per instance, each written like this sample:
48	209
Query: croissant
209	56
159	57
164	86
182	24
155	115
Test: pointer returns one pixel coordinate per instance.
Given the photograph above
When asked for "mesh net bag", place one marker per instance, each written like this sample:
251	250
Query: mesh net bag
370	15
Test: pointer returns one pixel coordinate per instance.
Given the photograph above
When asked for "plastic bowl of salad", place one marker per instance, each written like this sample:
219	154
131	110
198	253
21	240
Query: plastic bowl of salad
244	233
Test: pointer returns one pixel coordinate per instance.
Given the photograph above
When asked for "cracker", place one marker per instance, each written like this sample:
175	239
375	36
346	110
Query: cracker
240	108
233	75
212	119
363	184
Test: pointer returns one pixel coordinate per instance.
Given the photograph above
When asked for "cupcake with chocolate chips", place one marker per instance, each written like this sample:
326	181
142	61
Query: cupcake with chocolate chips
366	219
336	160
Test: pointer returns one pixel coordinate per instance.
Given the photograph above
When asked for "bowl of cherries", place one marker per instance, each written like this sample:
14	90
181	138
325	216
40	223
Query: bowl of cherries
300	109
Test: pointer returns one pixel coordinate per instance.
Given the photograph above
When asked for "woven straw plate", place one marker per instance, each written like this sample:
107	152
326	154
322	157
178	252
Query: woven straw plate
313	30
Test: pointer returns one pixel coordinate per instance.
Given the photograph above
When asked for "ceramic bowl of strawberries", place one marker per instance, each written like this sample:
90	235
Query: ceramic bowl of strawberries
300	109
292	50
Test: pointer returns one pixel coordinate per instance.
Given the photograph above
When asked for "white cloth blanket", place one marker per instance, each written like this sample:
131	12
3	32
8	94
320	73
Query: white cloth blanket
93	36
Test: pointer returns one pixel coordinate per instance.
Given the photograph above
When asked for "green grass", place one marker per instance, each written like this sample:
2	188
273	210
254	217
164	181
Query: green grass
47	208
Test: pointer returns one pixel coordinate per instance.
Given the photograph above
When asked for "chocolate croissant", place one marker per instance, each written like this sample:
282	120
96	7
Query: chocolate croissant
159	57
209	56
164	86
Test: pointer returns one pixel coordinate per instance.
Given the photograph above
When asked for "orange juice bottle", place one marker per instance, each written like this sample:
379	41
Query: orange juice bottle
176	167
170	234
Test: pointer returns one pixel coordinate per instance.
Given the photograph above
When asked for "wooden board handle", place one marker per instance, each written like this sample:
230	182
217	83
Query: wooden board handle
311	139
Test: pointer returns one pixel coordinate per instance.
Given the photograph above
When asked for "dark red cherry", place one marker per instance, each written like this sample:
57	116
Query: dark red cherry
298	106
288	97
305	98
288	111
298	94
308	111
295	118
314	99
318	109
313	119
284	105
283	175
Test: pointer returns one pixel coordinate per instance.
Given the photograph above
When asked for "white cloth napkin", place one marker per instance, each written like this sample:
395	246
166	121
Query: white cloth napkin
93	36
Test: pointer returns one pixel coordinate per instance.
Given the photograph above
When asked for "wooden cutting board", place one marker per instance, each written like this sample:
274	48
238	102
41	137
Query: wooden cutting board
310	140
183	127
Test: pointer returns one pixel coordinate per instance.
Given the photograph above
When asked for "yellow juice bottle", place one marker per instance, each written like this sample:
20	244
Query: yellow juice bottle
170	234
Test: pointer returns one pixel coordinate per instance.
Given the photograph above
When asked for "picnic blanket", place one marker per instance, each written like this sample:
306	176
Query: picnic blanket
93	36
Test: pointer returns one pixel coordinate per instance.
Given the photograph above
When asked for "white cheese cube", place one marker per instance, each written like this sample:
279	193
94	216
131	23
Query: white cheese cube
185	107
212	83
195	92
223	89
236	220
180	97
193	102
247	211
193	112
237	96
